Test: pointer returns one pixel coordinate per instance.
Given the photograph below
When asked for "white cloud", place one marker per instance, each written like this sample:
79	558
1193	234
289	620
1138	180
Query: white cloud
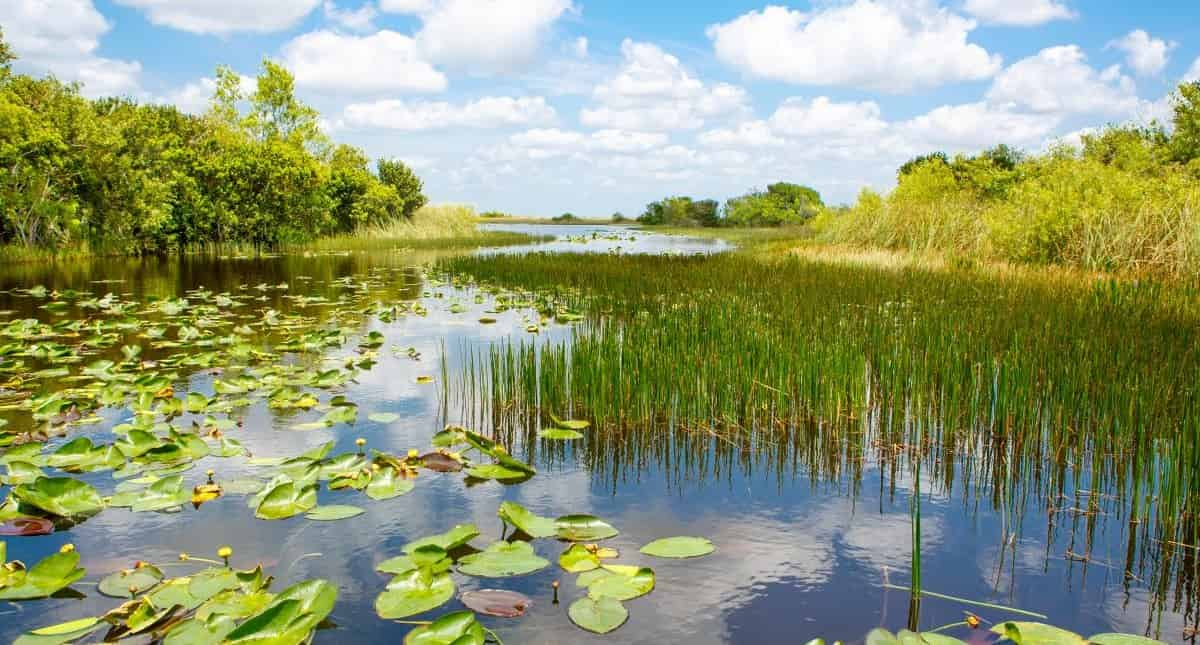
360	19
973	126
61	37
580	47
1145	54
825	118
496	36
224	16
383	61
487	112
1022	13
546	143
750	134
1193	73
1059	80
652	91
405	6
886	45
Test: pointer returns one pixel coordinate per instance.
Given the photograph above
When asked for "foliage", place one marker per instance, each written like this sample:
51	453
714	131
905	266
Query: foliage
565	218
681	211
1126	199
116	175
781	203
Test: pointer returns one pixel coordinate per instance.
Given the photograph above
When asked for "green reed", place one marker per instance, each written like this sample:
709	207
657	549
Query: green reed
1025	387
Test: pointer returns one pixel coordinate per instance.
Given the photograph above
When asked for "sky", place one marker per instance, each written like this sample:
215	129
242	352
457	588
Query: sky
539	107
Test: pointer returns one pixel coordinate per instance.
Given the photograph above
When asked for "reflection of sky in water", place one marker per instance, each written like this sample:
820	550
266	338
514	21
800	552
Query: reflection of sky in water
598	238
795	559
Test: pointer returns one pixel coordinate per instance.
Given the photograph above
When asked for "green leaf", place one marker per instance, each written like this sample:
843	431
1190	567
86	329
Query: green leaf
448	541
60	633
386	484
62	496
333	512
163	494
1028	633
287	500
560	434
290	618
618	581
457	628
383	417
414	593
128	583
569	424
679	547
496	471
600	616
501	560
583	528
1123	639
53	573
578	559
520	517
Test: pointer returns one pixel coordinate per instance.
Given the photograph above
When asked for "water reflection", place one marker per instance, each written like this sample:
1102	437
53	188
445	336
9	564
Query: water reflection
808	520
600	238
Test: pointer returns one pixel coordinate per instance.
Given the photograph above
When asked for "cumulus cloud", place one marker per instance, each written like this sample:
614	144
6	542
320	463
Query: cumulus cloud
653	91
361	19
1145	54
565	141
497	36
487	112
224	16
383	61
973	126
1059	80
1021	13
194	97
61	37
1193	73
886	45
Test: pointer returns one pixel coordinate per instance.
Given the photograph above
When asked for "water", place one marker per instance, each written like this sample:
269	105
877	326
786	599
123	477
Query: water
798	556
602	238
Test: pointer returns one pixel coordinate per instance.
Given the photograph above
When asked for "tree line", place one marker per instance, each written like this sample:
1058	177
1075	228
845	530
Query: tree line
781	203
255	169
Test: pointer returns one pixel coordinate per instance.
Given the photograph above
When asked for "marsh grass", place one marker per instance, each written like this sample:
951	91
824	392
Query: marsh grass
1075	396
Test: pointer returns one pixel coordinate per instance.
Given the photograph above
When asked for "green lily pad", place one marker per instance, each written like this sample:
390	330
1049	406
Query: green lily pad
290	618
598	615
53	573
60	633
496	471
62	496
333	512
457	628
622	582
286	500
520	517
1029	633
128	583
413	593
578	559
560	434
448	541
163	494
1123	639
583	528
569	424
679	547
383	417
501	560
386	484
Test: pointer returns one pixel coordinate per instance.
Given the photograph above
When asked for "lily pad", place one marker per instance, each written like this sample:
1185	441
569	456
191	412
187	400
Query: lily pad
501	560
60	633
1030	633
497	602
598	615
496	471
560	434
62	496
53	573
128	583
286	500
290	618
583	528
412	593
679	547
622	582
441	463
532	525
333	512
570	424
457	628
1122	639
579	558
448	541
386	484
383	417
26	526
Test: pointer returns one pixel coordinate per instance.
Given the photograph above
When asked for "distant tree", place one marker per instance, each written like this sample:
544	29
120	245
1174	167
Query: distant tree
565	218
1185	139
781	203
1003	156
276	113
396	174
7	56
912	164
618	217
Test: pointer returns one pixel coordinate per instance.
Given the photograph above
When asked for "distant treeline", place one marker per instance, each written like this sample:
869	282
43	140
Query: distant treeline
254	169
1127	198
780	203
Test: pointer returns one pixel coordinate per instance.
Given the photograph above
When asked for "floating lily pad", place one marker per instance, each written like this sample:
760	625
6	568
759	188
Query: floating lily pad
441	463
60	633
560	434
286	500
128	583
62	496
622	582
1122	639
333	512
386	484
570	424
497	602
1030	633
26	527
501	560
583	528
448	541
679	547
413	593
496	471
529	523
383	417
598	615
579	558
457	628
53	573
290	618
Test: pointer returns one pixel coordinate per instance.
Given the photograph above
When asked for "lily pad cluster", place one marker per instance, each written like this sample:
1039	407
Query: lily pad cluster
1017	633
214	605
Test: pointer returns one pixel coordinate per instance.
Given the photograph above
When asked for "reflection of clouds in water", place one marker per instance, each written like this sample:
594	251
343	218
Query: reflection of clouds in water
995	566
1138	614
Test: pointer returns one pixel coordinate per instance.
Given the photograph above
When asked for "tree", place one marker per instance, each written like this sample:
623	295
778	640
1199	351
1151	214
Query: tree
1185	140
223	107
276	113
394	173
7	56
916	162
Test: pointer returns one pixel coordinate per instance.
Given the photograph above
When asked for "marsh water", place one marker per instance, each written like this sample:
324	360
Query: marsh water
799	554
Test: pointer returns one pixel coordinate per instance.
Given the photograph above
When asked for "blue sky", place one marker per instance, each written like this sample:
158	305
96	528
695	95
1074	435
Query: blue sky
544	106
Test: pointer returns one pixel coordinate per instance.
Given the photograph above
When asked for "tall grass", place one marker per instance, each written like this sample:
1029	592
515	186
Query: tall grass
434	226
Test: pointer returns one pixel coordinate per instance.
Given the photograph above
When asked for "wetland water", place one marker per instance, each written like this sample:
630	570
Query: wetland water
801	550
